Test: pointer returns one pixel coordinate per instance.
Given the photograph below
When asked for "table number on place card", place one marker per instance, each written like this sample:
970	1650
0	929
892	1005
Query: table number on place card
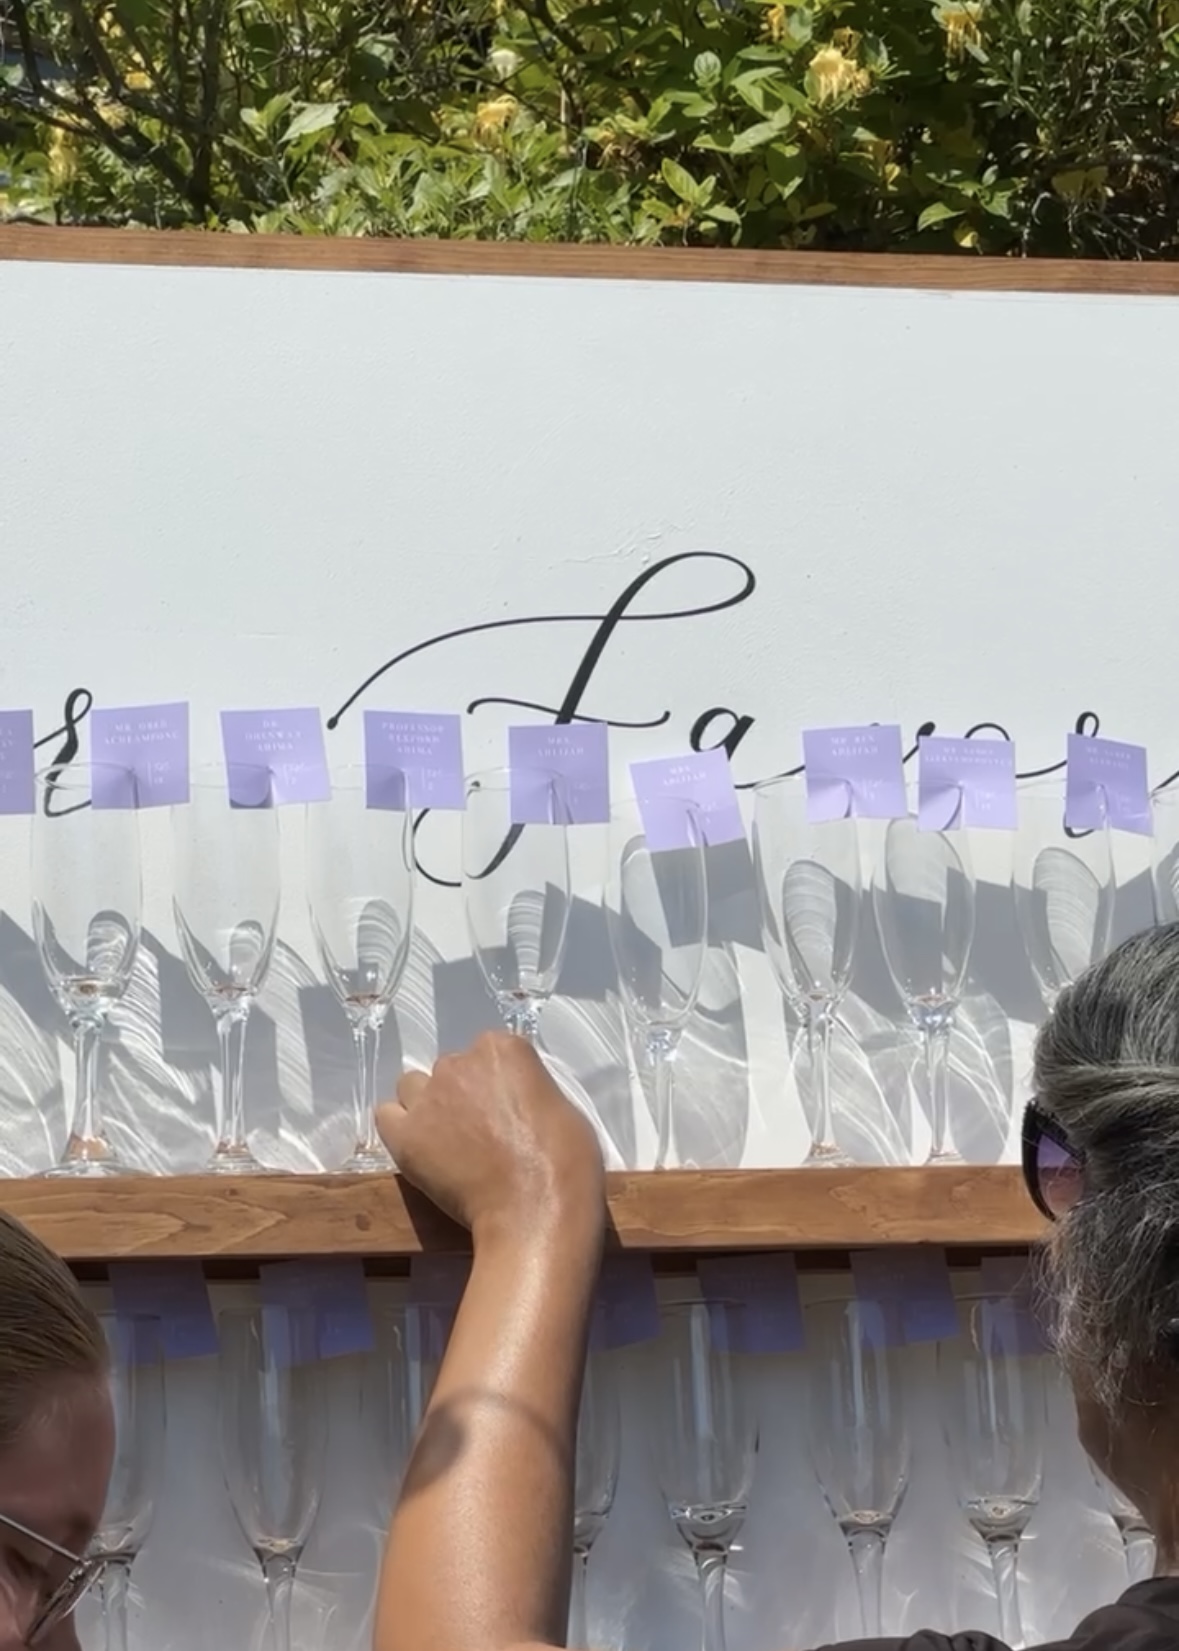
141	753
854	772
763	1289
1010	1276
965	782
703	779
912	1288
577	754
18	784
287	745
414	759
330	1293
1106	783
626	1308
175	1294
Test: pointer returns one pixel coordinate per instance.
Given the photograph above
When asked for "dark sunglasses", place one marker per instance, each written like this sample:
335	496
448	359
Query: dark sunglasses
1052	1166
69	1592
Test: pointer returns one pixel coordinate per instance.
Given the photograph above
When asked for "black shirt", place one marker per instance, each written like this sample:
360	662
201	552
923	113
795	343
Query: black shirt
1146	1618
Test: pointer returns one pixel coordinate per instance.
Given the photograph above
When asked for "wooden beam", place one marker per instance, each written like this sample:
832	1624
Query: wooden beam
967	1206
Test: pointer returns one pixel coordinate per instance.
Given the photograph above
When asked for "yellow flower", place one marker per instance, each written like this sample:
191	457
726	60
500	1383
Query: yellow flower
834	75
775	23
491	118
961	23
59	152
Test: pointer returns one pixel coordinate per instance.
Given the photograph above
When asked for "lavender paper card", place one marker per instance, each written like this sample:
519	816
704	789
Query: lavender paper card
578	754
287	745
963	782
1009	1278
854	771
912	1289
332	1294
702	779
414	759
1106	781
141	753
175	1294
18	788
626	1308
764	1292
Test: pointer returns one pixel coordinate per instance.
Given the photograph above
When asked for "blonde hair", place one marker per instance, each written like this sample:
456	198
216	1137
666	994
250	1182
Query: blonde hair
46	1328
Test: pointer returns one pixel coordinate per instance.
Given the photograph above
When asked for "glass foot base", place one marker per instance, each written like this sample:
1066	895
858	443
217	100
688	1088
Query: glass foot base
92	1169
367	1161
827	1157
236	1161
946	1156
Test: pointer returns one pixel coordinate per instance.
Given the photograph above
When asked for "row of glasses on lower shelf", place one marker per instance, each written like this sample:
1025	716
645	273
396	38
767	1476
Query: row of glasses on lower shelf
701	1412
518	896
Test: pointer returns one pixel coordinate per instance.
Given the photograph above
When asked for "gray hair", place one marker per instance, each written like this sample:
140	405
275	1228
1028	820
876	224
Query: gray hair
1107	1069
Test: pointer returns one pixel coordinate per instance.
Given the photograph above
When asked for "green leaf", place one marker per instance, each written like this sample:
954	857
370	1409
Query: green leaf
312	117
724	214
937	212
680	181
707	69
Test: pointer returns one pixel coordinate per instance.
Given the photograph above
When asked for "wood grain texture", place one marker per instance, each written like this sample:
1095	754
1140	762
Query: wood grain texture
680	1211
946	273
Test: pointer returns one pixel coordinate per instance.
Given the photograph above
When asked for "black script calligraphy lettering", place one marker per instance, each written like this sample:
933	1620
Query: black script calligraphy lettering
740	726
78	703
569	709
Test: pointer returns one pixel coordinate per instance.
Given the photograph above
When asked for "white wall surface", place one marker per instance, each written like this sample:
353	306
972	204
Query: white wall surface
253	488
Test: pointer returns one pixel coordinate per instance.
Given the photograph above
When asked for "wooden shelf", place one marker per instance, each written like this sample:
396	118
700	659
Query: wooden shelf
967	1207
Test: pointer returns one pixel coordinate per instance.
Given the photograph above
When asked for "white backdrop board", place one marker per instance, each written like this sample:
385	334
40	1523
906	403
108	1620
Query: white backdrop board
700	511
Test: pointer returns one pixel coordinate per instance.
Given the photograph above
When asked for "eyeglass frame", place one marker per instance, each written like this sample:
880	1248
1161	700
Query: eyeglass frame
1037	1125
71	1590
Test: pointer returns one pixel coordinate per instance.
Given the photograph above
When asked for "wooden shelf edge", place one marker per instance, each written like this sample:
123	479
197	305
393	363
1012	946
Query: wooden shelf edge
966	1206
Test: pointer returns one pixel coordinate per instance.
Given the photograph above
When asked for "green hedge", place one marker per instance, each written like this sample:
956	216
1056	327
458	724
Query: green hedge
1044	127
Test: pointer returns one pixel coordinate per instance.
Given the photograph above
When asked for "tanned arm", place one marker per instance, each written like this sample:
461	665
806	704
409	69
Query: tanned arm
478	1557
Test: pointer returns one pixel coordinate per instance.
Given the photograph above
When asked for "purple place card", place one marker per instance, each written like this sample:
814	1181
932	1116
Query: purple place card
18	786
286	744
578	754
175	1294
626	1308
414	759
912	1288
963	782
1106	783
854	772
331	1293
1008	1277
764	1291
702	779
145	752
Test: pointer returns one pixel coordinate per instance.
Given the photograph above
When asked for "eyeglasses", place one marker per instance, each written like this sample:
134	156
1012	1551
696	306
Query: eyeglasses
65	1597
1052	1166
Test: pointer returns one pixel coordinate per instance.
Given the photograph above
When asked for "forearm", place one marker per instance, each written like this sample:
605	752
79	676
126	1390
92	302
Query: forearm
479	1549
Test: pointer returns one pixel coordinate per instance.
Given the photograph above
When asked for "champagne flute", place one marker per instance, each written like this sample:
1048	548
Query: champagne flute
923	897
409	1341
859	1442
1166	853
657	918
226	892
809	890
87	904
598	1449
1138	1542
1064	889
705	1441
273	1442
516	884
360	895
994	1410
137	1395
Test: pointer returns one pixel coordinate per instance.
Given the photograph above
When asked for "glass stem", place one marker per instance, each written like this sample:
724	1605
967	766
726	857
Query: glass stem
661	1053
819	1027
112	1593
366	1033
279	1571
1140	1555
87	1114
937	1067
578	1637
711	1565
867	1552
521	1019
231	1036
1004	1562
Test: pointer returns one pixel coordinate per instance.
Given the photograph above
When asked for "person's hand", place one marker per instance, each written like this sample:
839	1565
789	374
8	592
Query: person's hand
492	1140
